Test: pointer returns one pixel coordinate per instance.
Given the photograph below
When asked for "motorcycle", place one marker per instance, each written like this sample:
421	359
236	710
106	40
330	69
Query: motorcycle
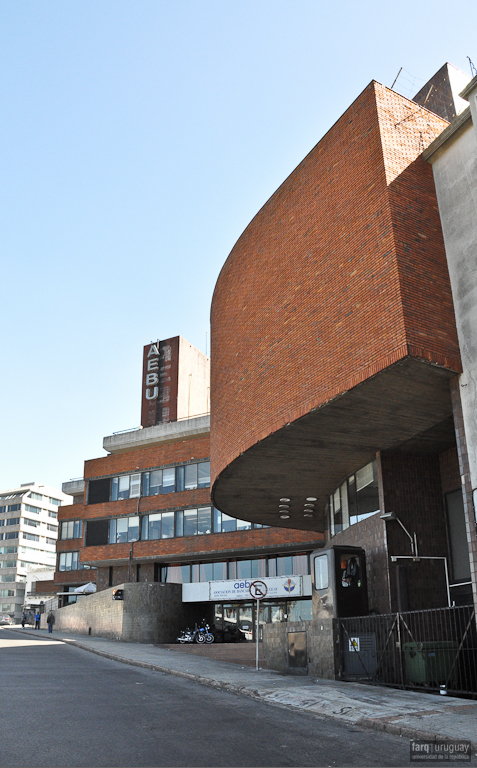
205	635
188	635
200	634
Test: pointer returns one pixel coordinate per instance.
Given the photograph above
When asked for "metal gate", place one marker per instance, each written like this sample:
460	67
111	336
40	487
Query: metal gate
424	650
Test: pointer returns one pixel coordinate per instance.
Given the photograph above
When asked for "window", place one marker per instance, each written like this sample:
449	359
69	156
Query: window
30	536
29	508
168	480
7	592
152	483
321	572
125	487
16	520
190	522
50	541
52	527
243	525
36	496
8	550
203	478
167	525
57	502
258	567
228	523
206	572
52	513
32	523
176	574
68	561
11	535
123	529
14	507
219	571
71	529
355	499
190	477
204	520
8	578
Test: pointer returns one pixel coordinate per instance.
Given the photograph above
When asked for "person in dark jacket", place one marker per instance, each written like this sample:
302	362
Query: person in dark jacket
50	620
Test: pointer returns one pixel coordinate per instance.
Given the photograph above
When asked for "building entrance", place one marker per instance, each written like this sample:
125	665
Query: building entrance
237	622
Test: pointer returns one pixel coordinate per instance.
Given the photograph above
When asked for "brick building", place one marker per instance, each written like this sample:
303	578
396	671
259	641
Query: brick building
143	513
336	360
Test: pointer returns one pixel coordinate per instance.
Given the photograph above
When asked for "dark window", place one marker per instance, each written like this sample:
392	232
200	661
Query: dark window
98	491
96	532
458	537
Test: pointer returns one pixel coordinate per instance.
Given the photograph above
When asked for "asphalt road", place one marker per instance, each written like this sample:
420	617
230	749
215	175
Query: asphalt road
62	706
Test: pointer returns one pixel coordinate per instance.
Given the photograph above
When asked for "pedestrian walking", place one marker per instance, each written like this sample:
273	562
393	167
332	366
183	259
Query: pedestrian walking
37	620
24	618
50	620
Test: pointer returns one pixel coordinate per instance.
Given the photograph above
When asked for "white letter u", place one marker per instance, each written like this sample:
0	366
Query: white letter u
155	393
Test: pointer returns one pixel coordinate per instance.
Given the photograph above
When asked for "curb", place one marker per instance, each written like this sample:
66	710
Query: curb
364	722
408	732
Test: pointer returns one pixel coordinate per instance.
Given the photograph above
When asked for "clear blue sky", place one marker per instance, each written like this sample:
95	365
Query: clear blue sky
138	139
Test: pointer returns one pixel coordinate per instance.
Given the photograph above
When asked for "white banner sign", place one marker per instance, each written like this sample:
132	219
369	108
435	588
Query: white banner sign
238	589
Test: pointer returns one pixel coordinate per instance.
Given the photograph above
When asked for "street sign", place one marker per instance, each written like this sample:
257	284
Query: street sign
258	590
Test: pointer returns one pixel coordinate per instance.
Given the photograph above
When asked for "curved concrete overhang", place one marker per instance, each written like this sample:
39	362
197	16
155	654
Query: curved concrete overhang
407	407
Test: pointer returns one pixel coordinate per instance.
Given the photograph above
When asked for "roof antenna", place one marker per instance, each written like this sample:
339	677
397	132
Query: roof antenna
473	70
395	79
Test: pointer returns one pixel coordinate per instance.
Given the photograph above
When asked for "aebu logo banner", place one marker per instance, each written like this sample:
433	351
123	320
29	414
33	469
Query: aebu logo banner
238	589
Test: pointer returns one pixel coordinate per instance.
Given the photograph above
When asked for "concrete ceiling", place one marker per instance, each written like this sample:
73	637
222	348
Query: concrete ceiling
406	407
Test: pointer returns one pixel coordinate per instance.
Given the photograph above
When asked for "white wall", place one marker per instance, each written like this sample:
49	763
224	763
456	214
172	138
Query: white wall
193	397
455	174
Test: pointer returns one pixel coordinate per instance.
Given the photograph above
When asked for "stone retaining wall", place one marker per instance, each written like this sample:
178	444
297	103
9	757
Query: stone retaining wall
320	643
149	613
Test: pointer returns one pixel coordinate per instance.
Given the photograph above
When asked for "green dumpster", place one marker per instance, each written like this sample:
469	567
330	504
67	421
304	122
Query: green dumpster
430	663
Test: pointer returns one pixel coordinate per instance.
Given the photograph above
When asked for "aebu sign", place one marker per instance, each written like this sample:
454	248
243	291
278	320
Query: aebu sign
152	373
160	382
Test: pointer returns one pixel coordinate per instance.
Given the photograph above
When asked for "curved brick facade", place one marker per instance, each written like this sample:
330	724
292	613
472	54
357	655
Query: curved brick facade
341	275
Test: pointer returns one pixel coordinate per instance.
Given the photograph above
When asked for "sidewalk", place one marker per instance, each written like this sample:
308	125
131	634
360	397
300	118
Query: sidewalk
405	713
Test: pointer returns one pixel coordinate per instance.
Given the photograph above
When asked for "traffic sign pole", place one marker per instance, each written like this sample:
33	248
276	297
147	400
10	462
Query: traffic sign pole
256	649
258	590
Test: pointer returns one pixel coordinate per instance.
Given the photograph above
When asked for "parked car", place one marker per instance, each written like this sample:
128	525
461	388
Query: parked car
6	619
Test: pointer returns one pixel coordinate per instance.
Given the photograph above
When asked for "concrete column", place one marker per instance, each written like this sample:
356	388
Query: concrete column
469	510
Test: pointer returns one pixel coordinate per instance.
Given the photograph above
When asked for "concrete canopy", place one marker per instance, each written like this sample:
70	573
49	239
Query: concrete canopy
406	407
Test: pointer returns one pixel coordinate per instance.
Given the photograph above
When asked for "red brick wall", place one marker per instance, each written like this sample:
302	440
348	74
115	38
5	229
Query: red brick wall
339	275
44	588
370	534
449	467
127	507
68	545
74	577
412	488
147	458
212	546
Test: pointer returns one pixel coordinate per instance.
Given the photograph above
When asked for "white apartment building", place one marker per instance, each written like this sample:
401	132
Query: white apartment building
28	535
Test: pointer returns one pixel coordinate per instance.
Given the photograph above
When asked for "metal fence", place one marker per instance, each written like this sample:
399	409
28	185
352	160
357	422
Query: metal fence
424	650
